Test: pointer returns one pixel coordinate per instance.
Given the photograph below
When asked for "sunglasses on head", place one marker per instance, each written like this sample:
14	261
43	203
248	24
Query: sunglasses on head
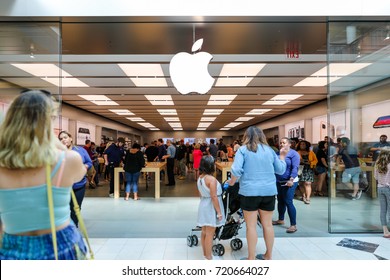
45	92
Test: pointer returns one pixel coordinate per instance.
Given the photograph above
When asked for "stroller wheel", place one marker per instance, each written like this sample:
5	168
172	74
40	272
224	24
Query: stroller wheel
189	241
221	250
215	250
195	240
235	244
239	243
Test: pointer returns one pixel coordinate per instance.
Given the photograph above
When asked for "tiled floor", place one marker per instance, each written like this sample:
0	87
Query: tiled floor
158	229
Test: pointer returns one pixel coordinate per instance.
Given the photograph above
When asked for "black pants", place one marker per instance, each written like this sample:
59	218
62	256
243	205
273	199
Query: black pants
79	193
170	167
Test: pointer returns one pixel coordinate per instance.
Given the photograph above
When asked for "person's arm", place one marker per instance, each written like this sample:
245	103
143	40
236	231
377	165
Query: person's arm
211	183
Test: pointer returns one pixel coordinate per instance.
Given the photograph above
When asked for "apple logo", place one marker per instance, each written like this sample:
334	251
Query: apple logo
189	72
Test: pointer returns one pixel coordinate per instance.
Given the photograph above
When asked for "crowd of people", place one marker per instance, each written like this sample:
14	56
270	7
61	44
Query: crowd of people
267	174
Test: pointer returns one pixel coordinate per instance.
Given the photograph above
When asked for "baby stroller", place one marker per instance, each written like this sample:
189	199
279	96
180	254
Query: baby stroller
234	220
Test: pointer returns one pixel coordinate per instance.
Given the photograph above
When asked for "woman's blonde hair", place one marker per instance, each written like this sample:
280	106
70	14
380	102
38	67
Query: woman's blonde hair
383	160
27	137
254	136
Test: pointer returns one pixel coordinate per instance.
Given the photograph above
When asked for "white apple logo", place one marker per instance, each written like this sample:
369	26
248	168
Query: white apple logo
189	72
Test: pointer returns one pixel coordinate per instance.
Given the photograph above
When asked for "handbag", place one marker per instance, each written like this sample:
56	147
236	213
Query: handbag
300	169
76	208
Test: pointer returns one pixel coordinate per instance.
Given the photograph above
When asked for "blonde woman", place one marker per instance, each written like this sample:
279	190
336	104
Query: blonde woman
23	191
382	174
255	165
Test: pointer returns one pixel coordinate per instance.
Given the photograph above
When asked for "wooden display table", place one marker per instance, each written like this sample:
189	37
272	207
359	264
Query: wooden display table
225	167
154	167
342	168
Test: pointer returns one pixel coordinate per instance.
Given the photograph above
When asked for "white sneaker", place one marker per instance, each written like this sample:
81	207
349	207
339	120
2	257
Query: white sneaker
111	195
359	194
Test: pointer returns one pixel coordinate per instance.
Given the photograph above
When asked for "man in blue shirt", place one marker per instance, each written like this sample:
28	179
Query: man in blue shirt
113	156
376	149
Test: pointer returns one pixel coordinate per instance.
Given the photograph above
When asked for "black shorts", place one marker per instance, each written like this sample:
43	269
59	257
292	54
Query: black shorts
254	203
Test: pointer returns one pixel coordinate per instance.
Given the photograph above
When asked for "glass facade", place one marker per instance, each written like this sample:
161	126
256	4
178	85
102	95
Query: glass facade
358	114
357	77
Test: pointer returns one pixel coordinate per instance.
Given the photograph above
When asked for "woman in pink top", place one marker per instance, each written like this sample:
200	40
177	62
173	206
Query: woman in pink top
197	155
382	174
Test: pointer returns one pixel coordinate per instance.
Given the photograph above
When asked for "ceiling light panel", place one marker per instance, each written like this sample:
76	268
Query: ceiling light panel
316	81
340	69
221	99
239	75
153	128
145	75
208	119
212	111
243	119
233	124
258	111
204	124
282	99
176	124
241	70
136	119
101	100
201	128
122	112
148	125
225	128
160	99
51	73
167	112
172	119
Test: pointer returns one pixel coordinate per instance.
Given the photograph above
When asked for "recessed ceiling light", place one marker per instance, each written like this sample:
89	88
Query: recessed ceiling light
148	125
175	124
204	124
177	128
99	99
240	75
122	112
233	124
153	128
208	119
167	111
160	99
145	75
136	119
336	72
243	119
171	119
50	73
224	128
212	111
221	99
201	128
282	99
258	111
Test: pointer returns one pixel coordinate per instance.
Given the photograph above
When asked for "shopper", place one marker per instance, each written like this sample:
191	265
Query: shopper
79	187
24	209
287	184
308	164
113	157
134	162
211	213
255	165
382	174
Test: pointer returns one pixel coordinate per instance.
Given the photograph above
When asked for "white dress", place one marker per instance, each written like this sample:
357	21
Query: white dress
207	216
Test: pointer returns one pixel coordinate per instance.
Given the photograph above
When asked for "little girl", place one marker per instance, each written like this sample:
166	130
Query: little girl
382	174
210	213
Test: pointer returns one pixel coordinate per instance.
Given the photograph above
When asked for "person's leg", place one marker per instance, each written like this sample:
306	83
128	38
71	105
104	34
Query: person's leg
291	211
202	240
79	194
250	218
281	202
111	170
384	202
320	183
127	189
208	242
135	184
268	232
307	191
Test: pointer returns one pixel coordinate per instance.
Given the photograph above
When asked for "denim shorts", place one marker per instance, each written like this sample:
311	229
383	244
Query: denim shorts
351	173
320	169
